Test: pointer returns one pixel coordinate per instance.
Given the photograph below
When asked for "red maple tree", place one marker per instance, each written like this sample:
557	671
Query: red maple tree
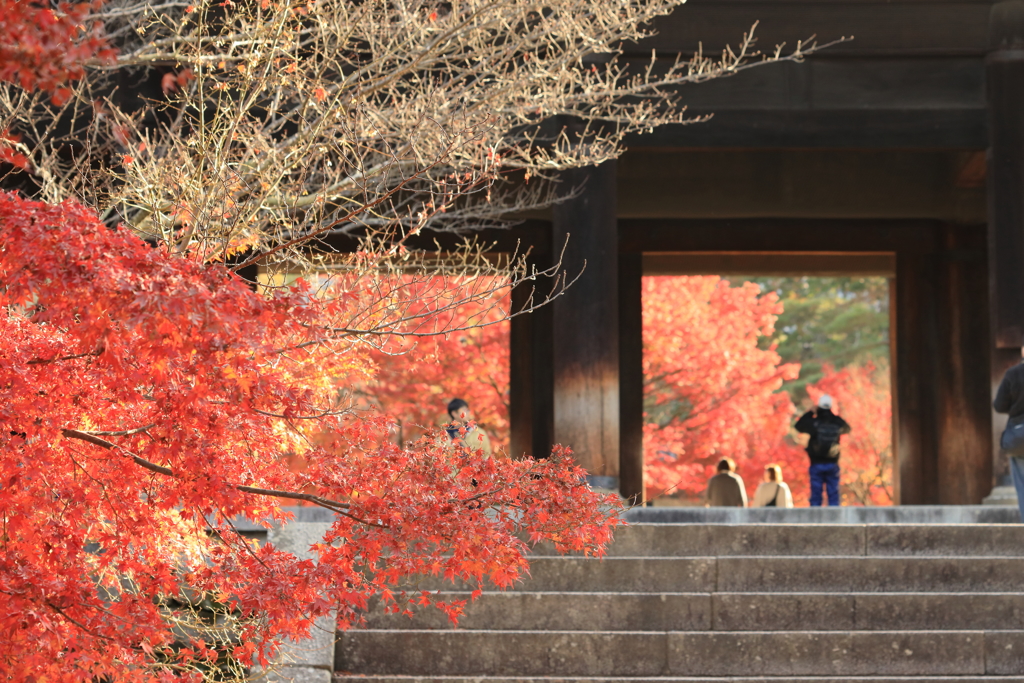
147	398
44	46
710	390
415	378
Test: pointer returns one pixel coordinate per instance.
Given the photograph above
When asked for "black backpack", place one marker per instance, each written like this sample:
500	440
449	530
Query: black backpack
827	436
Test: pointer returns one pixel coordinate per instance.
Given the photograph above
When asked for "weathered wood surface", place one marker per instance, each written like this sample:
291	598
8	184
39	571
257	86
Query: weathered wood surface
585	328
531	388
1006	196
777	235
787	183
795	264
964	440
963	128
832	102
911	77
902	27
916	357
631	377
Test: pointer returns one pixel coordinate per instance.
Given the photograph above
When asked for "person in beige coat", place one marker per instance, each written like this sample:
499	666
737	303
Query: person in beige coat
773	492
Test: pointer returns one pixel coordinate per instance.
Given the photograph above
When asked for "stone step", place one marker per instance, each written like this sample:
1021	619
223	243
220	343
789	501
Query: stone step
693	540
867	611
896	514
786	534
521	610
711	654
756	574
869	574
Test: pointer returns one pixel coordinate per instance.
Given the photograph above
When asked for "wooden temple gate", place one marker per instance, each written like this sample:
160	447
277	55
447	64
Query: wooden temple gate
900	152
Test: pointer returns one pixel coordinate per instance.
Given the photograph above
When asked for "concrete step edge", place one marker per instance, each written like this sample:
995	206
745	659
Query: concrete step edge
997	527
723	634
966	678
834	594
761	558
398	678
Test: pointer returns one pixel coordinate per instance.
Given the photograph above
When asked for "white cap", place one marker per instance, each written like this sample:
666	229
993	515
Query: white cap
825	402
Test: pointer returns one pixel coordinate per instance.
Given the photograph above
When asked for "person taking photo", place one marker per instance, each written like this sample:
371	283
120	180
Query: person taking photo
824	428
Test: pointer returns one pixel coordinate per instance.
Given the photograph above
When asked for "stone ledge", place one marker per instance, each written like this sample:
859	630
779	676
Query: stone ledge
897	514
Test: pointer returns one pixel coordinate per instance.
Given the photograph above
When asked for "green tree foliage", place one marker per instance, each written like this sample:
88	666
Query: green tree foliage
837	321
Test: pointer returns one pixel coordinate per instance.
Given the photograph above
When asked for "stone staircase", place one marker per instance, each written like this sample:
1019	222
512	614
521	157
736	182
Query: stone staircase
715	602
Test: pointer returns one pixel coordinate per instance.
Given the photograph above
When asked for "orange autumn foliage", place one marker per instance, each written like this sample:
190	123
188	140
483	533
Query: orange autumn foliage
147	398
710	391
417	377
44	46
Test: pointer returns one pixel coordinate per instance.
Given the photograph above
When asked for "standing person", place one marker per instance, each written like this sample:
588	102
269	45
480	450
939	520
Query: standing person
1010	399
773	492
726	489
464	431
825	428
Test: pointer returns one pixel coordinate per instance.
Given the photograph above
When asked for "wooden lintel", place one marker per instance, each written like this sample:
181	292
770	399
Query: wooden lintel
882	264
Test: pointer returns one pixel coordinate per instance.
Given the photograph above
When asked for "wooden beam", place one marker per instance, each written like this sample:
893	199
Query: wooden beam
831	102
952	128
804	184
907	27
778	235
882	264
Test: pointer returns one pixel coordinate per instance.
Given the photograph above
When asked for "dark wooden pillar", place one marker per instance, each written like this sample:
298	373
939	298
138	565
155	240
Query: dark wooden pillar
942	360
531	399
916	356
964	439
631	378
1005	88
586	340
894	383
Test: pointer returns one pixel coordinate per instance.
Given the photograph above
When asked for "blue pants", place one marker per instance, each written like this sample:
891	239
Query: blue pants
827	474
1017	470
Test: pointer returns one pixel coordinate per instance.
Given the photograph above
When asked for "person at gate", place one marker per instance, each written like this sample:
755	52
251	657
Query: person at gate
726	489
1010	399
464	431
825	428
773	492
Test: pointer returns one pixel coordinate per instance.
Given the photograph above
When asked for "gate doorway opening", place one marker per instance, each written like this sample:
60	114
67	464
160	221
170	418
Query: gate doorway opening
738	345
